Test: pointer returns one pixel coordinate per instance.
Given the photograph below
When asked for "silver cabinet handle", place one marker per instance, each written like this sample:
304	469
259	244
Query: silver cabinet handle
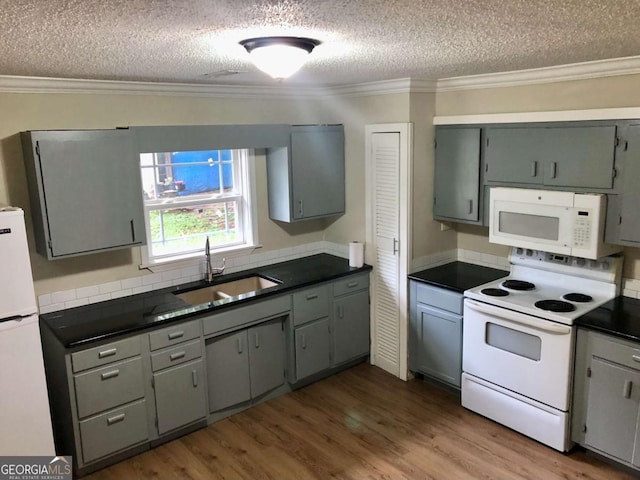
312	296
395	246
470	206
175	335
553	169
340	311
177	355
115	419
107	353
352	284
304	341
239	345
111	374
534	168
133	231
301	208
635	358
194	378
626	390
257	337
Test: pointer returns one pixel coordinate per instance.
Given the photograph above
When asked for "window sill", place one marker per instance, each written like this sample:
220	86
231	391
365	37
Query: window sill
197	259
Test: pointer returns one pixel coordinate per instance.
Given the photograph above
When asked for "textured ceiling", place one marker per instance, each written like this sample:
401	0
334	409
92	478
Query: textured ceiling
195	41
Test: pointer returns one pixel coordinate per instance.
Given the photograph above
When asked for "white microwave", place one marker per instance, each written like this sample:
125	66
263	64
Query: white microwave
567	223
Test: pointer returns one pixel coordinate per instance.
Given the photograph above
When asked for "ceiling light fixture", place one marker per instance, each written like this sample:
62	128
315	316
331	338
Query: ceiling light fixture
279	57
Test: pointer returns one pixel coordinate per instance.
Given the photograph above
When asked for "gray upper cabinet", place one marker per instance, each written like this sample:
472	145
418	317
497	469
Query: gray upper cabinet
629	220
85	191
576	156
306	180
457	174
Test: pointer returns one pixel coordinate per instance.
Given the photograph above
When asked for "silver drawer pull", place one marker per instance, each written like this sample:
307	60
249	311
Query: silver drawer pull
115	419
177	355
174	335
107	353
635	358
312	296
352	284
111	374
194	378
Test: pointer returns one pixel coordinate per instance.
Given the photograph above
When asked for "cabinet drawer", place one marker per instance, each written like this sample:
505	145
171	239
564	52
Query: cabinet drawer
113	431
310	304
235	318
177	355
617	351
350	284
174	334
111	352
440	298
109	387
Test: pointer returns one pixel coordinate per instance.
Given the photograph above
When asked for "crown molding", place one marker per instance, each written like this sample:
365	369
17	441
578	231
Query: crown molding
16	84
575	71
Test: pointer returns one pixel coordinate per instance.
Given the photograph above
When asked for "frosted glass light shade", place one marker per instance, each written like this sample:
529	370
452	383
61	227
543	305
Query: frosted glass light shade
279	57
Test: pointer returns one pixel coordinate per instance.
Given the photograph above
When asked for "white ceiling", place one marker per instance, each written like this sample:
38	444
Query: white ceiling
195	41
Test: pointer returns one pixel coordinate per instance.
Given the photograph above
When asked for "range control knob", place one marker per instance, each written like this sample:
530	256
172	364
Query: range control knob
581	262
519	251
529	253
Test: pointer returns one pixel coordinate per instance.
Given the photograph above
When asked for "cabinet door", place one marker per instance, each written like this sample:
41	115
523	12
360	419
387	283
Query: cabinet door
614	398
228	370
100	171
317	171
439	344
350	327
266	356
629	218
580	156
312	348
180	396
457	174
512	155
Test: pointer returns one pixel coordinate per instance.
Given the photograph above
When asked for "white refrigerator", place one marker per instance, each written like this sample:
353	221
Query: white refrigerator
25	421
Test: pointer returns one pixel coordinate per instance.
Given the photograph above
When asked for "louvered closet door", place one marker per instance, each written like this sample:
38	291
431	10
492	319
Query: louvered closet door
386	182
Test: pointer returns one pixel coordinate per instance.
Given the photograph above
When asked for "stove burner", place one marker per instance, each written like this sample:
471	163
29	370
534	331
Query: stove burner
494	292
518	285
577	297
555	306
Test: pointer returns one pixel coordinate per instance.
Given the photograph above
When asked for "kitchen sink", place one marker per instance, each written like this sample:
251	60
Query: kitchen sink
230	289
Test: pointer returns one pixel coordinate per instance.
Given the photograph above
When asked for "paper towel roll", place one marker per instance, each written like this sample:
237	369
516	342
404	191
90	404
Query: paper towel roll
356	254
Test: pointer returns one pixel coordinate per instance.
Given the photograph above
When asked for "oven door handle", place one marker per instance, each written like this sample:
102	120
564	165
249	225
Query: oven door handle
519	318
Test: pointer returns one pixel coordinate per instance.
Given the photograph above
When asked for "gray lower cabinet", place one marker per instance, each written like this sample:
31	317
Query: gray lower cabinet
313	346
457	174
246	364
350	319
98	169
180	396
606	405
306	179
435	333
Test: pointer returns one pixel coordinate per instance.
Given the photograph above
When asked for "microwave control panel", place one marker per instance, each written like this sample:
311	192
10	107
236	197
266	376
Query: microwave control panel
582	227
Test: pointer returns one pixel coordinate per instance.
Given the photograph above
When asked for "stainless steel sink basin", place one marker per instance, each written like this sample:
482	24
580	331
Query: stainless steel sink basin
226	290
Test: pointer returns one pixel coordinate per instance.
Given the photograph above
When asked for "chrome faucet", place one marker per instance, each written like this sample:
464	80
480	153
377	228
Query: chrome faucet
210	270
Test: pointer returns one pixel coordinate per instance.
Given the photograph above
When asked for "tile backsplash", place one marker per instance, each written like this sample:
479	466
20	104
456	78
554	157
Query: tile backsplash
76	297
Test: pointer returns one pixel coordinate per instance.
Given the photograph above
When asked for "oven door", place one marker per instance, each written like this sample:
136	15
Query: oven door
522	353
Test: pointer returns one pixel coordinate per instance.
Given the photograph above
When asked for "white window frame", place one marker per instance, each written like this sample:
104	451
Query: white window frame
244	175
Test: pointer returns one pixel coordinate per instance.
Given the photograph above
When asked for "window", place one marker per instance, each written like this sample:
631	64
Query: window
192	195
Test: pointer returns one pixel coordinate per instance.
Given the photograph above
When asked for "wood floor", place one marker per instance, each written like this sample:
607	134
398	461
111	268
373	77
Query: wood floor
360	424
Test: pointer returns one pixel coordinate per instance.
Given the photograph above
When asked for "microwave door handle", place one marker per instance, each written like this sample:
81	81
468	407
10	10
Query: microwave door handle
519	318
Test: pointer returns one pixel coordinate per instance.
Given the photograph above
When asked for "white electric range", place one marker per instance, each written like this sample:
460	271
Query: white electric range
519	340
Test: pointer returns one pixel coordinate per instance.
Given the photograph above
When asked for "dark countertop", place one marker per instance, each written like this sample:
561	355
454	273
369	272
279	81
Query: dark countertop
619	317
99	321
458	276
